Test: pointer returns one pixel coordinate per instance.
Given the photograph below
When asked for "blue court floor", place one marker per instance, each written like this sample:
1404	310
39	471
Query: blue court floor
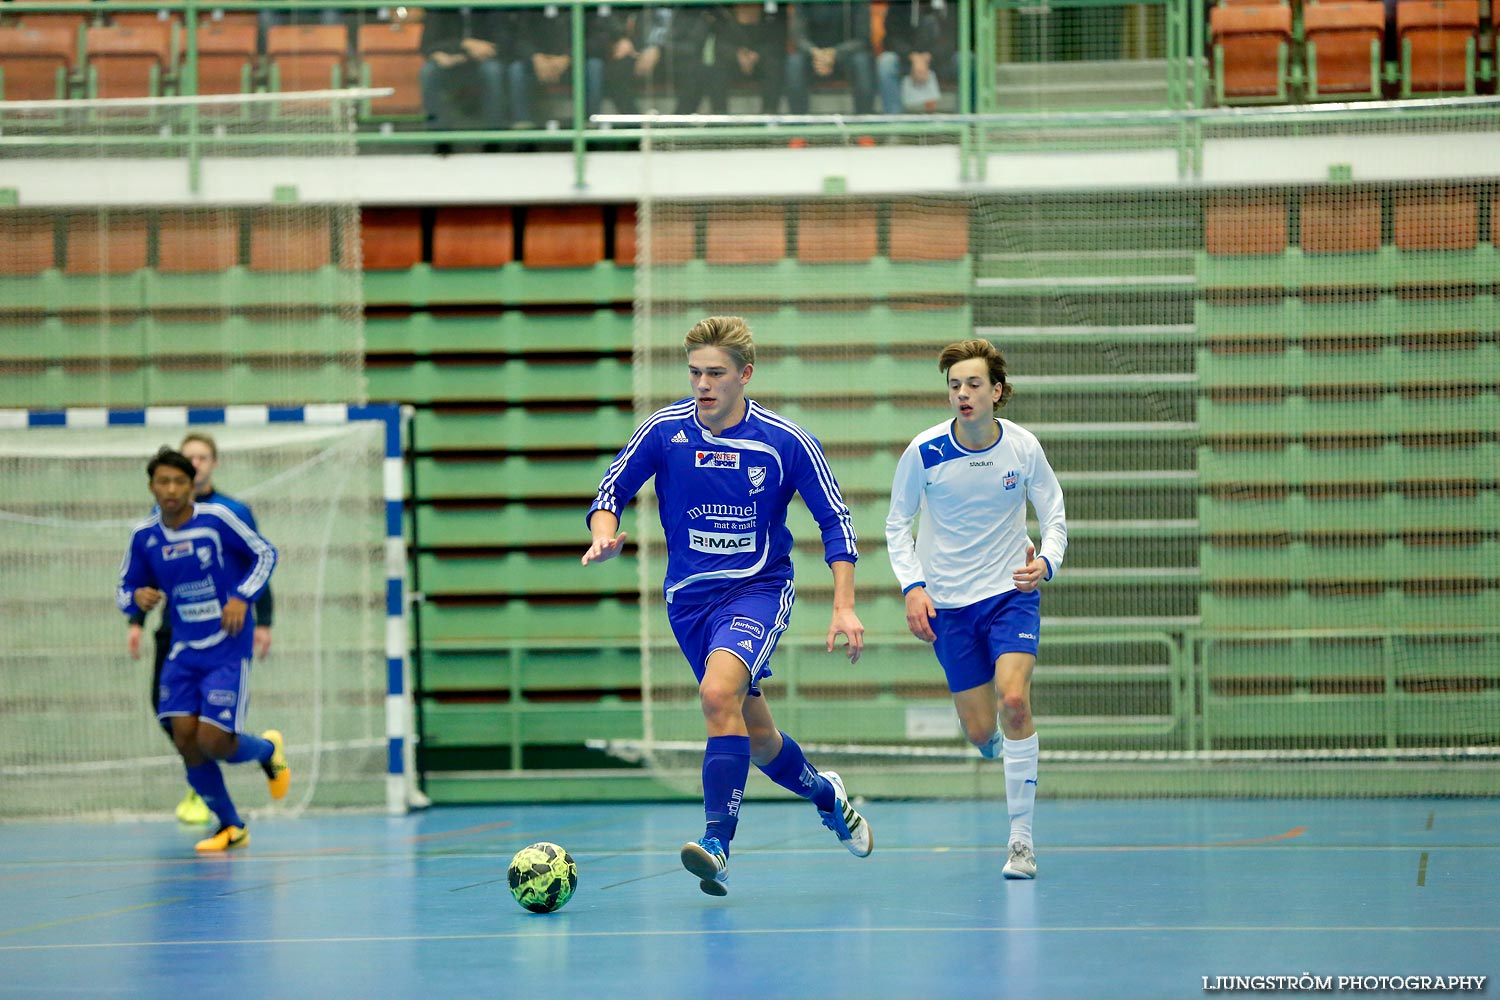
1134	899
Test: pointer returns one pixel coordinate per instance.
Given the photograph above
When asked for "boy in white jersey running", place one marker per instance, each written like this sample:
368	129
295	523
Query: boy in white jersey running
971	576
726	469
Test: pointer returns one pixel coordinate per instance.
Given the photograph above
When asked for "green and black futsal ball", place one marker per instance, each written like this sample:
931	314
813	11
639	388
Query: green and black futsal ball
543	877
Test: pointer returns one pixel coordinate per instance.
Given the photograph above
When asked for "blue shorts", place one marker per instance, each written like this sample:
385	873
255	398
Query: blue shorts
746	621
213	684
970	639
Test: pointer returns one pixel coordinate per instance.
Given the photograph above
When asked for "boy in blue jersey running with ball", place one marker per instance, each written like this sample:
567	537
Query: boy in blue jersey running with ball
726	469
971	576
210	566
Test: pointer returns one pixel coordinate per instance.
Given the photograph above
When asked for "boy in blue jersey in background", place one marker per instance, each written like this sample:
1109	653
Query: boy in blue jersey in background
210	566
726	469
203	452
971	576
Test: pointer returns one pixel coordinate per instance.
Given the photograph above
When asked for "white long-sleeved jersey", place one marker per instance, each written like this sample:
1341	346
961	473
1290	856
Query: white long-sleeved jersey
972	504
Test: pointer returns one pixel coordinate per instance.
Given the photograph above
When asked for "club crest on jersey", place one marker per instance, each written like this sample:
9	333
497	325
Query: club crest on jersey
1011	479
177	550
757	479
717	460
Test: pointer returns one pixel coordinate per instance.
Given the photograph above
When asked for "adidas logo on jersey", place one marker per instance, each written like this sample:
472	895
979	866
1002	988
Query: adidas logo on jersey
225	715
679	438
747	644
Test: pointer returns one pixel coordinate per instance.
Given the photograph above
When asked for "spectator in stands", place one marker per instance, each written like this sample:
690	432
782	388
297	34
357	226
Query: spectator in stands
629	44
972	575
466	50
920	51
715	46
831	40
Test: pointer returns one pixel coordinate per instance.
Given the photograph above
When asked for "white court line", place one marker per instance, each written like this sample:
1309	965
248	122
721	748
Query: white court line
764	931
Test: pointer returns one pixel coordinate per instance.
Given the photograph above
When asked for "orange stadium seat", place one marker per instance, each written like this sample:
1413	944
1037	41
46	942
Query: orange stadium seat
226	57
924	232
625	247
563	236
1251	45
1439	40
36	63
473	236
286	240
129	61
1437	220
737	234
673	241
72	20
1241	226
837	233
111	243
307	56
29	250
392	238
195	242
390	55
1340	222
1344	42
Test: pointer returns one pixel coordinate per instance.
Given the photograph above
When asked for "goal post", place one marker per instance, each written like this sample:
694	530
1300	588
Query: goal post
326	483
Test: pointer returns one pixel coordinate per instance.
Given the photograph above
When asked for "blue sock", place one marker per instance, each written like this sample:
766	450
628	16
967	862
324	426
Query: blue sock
208	781
791	771
251	748
726	765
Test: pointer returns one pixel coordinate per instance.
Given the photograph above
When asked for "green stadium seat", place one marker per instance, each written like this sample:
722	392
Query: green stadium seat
513	381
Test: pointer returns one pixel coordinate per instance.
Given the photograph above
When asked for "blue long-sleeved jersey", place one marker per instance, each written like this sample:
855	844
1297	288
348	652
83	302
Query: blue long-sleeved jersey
723	498
211	557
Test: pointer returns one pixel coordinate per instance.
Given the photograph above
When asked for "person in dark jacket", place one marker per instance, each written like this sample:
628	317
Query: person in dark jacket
716	46
920	51
465	48
831	40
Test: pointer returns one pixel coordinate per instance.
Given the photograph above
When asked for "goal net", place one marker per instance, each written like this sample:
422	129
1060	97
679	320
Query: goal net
171	251
1258	351
80	735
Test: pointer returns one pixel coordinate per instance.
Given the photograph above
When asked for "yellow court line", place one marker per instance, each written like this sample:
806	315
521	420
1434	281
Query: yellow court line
92	916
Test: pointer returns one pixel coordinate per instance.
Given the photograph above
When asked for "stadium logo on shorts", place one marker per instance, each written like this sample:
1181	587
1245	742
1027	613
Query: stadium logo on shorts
717	460
747	625
1011	479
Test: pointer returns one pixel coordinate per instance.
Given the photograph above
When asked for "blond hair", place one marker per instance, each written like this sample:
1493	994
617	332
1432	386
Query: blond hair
966	350
201	438
730	334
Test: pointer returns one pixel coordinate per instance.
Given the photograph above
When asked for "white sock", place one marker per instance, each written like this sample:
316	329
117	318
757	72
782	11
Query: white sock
1020	786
